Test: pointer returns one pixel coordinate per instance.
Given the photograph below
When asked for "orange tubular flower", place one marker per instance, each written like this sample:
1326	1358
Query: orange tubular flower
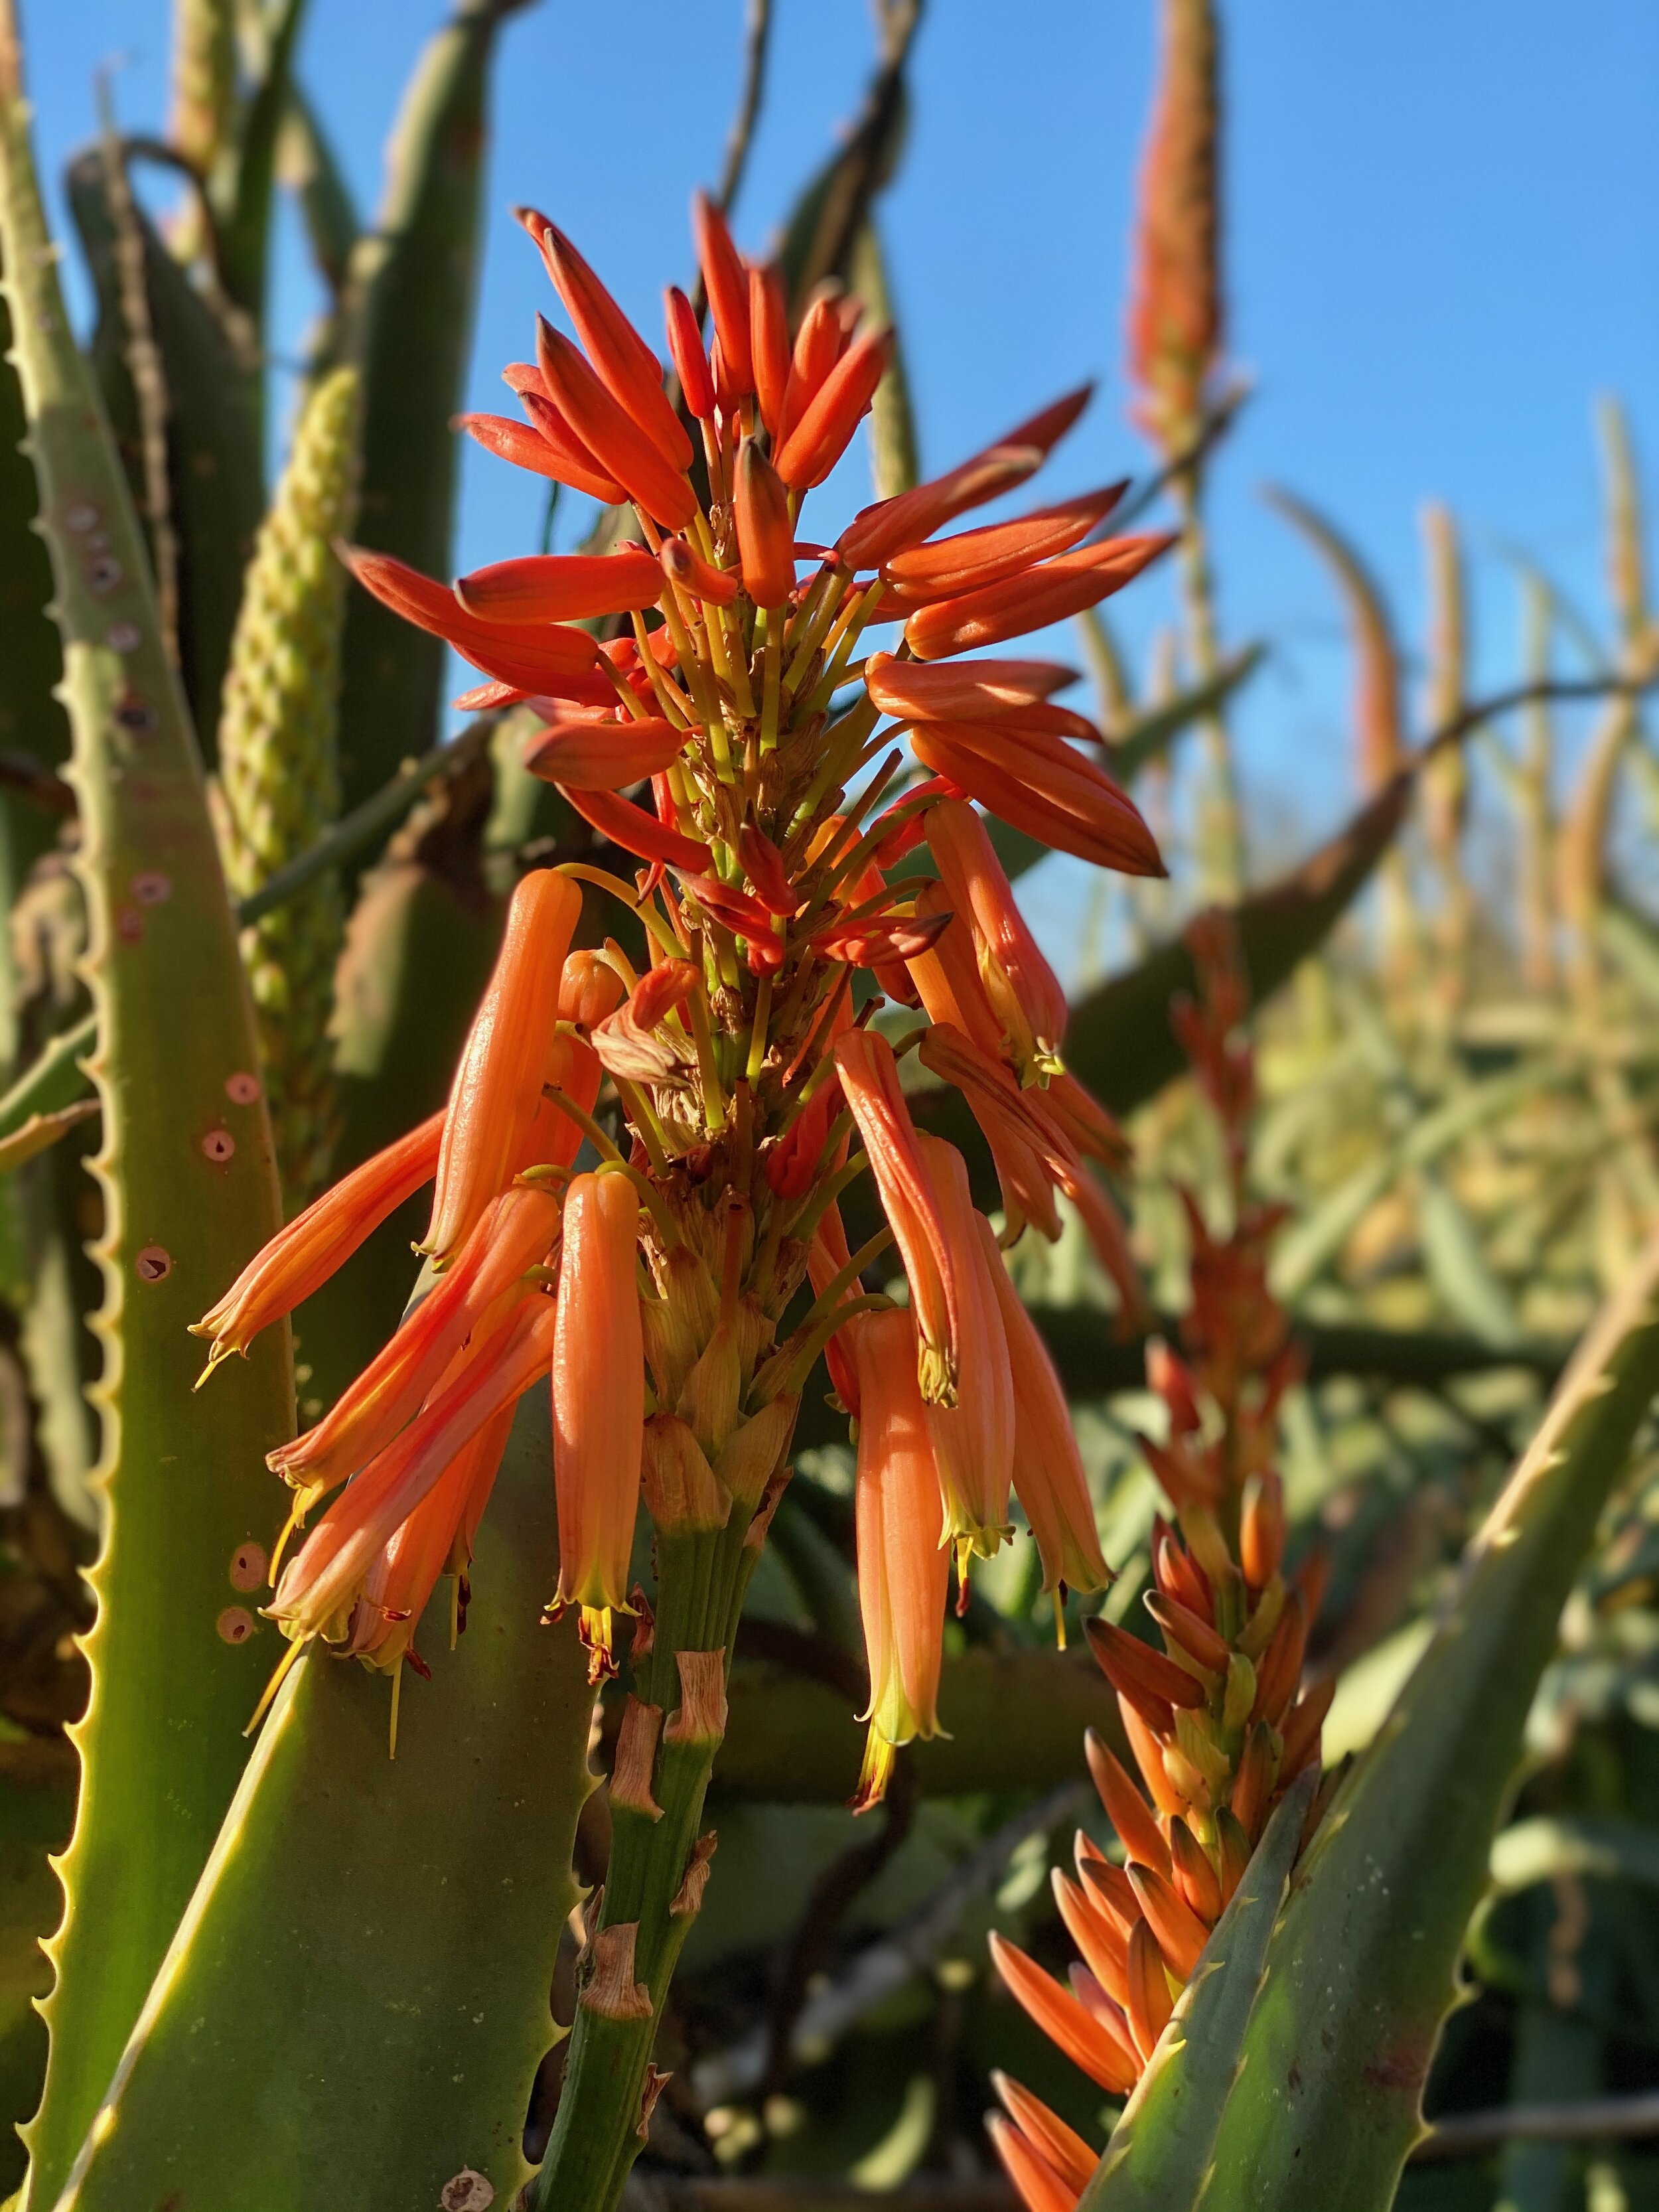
562	586
869	1079
1032	598
1064	2150
1106	2054
498	1085
1040	784
727	285
1022	987
922	573
819	344
517	1230
544	453
973	1440
765	533
965	691
533	657
598	1405
903	1574
604	756
1048	1467
1040	2187
878	532
322	1582
300	1258
818	441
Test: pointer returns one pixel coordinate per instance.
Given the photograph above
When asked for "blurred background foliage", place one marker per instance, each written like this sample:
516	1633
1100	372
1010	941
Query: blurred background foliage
1458	1090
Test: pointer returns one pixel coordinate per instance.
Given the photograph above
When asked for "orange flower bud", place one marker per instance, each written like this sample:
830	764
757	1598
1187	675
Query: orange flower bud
575	464
1125	1809
727	286
818	441
766	536
610	432
1195	1876
627	369
1032	598
544	450
977	557
553	1138
974	1439
533	657
589	989
321	1583
966	691
1148	2002
869	1078
1063	2149
1150	1682
1038	783
1302	1728
768	340
498	1083
1096	1934
684	566
516	1231
300	1258
1262	1530
1108	2057
599	1403
602	756
903	1573
690	362
763	865
1037	2185
819	344
1181	1933
1186	1631
1048	1467
544	587
1022	987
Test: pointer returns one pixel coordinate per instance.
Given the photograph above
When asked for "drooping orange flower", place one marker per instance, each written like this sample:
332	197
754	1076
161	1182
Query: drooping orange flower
903	1573
598	1404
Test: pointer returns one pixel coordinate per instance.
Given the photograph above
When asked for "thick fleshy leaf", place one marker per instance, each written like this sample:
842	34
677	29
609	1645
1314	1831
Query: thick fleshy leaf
188	1191
372	1939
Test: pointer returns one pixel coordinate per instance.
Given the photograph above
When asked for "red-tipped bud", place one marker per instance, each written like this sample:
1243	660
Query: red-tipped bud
976	558
727	285
1084	2038
966	691
768	339
1038	783
529	447
1193	1635
1062	2147
1253	1784
1302	1729
574	461
765	534
762	864
1262	1530
661	989
690	362
819	343
1196	1876
1094	1931
636	831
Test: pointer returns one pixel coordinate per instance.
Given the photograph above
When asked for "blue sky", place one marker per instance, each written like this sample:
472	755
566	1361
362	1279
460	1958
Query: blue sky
1443	243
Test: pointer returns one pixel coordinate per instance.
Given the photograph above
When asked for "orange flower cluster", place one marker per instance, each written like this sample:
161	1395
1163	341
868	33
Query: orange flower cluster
1175	313
718	723
1217	1722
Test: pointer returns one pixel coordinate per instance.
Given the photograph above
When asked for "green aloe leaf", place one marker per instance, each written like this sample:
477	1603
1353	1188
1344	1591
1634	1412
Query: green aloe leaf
189	1191
31	720
245	232
215	480
1361	1970
372	1939
414	279
1160	2151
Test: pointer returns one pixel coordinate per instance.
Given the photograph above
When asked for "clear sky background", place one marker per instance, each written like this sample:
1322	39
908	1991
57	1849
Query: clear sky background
1442	242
